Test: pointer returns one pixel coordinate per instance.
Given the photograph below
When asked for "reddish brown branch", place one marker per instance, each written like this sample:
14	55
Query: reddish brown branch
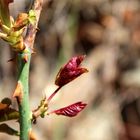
31	31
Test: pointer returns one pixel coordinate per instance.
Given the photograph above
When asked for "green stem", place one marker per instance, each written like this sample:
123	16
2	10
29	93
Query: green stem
24	107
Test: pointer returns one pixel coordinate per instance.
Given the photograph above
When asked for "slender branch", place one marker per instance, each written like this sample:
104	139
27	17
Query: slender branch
31	32
53	94
23	98
23	79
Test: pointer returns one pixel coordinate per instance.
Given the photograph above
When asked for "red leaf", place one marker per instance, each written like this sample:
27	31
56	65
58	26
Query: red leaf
70	71
71	110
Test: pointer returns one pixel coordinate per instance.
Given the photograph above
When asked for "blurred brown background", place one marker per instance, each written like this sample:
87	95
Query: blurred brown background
108	32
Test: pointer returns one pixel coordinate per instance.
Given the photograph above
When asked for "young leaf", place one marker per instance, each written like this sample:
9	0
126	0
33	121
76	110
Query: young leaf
8	114
71	110
6	101
4	12
70	71
21	21
8	130
32	16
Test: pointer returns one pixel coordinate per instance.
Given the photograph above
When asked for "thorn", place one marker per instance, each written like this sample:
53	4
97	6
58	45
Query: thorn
37	29
11	59
25	58
18	92
32	135
33	51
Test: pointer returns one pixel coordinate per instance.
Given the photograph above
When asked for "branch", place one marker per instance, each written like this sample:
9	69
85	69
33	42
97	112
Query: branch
22	89
31	31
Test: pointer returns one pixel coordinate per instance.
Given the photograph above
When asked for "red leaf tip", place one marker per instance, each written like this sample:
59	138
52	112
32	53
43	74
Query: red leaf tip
70	71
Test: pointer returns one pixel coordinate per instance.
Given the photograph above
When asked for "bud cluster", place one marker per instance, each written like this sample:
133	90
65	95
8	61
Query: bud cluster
13	34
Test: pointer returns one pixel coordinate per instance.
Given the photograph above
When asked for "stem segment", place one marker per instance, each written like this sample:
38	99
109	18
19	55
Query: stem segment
24	108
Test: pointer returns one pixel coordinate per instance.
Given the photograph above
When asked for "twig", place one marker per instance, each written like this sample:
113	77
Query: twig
31	31
24	64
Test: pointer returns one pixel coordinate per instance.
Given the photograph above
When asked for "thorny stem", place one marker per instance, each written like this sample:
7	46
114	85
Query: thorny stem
24	109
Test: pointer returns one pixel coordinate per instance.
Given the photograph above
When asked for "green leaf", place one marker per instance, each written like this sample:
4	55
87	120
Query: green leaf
4	128
4	12
6	101
8	114
32	16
